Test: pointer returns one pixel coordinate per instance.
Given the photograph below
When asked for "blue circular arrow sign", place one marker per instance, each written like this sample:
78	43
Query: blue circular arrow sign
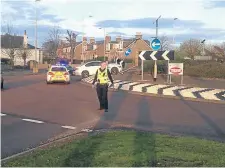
156	44
127	53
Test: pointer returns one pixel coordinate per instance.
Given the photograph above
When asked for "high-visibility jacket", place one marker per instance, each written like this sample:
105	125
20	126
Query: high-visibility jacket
102	77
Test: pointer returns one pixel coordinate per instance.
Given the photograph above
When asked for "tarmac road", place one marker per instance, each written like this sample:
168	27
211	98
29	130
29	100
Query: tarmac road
36	112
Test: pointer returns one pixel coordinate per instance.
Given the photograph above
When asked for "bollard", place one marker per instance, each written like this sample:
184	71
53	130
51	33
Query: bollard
155	72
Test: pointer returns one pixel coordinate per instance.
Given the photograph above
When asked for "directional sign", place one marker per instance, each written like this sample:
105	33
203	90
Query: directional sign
157	55
156	44
127	53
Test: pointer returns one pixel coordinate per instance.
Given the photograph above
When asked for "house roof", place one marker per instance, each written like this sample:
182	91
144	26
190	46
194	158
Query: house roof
219	49
9	41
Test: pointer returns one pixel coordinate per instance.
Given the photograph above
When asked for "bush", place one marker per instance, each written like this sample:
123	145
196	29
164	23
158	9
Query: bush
205	69
101	58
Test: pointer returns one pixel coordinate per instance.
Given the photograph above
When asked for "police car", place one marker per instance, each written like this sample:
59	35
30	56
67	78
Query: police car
90	68
58	73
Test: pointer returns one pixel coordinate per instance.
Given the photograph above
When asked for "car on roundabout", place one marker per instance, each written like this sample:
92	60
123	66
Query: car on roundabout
89	68
58	74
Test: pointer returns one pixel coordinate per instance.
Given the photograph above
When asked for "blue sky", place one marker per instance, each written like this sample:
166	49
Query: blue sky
202	19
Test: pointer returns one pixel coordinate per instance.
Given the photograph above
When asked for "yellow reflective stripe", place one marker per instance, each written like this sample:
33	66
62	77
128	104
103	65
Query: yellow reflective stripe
102	76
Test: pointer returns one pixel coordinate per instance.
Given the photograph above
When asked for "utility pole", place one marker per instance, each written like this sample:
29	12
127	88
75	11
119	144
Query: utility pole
104	41
104	44
82	52
35	69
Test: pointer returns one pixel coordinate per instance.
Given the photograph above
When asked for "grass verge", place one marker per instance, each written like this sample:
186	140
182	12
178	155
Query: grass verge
126	149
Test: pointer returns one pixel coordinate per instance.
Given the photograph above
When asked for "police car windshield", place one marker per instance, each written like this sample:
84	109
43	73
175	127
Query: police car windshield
58	69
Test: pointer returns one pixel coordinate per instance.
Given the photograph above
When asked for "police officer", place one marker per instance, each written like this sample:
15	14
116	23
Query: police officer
102	77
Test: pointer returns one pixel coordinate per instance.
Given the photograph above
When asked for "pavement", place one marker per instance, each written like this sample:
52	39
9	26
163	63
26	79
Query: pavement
21	72
33	112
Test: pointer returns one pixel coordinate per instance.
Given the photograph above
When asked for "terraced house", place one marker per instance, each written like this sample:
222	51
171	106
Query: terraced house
113	49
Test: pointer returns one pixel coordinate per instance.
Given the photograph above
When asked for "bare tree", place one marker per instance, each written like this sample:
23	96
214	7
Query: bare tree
191	47
72	41
9	43
165	43
51	45
24	53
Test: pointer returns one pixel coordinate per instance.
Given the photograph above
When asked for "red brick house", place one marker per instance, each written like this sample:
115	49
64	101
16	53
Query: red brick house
113	49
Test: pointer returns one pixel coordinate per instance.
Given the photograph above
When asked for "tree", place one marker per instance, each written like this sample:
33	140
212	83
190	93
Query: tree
191	47
24	53
8	43
72	41
165	43
51	45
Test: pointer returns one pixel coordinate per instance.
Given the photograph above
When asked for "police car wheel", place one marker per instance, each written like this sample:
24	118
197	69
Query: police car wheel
85	74
114	71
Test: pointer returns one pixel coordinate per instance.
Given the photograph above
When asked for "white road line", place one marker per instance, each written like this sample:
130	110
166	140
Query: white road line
3	114
34	121
86	130
68	127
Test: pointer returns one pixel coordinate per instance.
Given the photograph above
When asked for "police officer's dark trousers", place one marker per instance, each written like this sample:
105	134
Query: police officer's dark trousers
102	92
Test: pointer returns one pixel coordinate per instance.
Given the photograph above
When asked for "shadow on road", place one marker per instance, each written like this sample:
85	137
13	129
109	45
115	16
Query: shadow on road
115	104
207	119
140	141
16	84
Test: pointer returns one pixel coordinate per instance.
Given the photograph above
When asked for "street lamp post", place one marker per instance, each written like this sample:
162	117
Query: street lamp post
155	64
203	47
174	34
157	25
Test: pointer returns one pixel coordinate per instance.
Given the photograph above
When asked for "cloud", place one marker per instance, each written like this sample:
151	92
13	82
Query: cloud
148	22
217	4
196	18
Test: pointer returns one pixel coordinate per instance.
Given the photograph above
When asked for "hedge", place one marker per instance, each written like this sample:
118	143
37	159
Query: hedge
207	69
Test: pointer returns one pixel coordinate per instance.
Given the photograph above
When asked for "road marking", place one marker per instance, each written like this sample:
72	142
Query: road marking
68	127
86	130
34	121
3	114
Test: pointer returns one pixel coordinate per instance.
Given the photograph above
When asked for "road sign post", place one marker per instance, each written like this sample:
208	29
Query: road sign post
156	55
156	45
176	69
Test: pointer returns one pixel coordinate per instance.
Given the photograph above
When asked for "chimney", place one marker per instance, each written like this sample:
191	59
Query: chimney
85	39
138	35
25	39
92	40
118	39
